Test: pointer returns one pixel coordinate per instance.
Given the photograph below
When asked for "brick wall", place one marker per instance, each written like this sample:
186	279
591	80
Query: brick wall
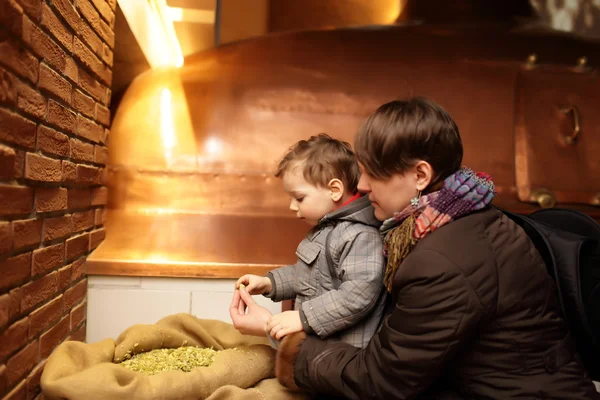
55	73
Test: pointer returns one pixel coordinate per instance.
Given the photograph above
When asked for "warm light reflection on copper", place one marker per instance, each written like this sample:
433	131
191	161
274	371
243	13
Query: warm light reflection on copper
192	150
167	132
152	26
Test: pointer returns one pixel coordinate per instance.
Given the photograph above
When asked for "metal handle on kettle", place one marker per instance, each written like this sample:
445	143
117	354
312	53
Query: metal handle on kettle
572	138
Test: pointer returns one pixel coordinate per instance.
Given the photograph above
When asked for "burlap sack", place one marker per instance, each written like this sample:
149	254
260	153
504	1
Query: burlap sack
77	371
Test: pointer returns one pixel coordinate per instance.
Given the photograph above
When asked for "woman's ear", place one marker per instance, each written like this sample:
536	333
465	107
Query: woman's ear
424	174
336	187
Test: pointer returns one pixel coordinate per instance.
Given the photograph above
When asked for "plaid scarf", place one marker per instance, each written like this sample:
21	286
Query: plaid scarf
462	193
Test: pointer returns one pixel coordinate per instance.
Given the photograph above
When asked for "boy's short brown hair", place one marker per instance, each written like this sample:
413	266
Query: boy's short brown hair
401	132
323	158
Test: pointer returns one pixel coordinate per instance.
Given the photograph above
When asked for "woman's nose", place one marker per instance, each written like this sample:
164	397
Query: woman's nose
363	185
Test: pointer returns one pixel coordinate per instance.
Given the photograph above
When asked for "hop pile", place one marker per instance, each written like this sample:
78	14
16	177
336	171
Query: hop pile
180	359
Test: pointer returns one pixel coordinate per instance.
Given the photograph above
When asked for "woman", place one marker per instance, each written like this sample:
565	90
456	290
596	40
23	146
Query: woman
473	309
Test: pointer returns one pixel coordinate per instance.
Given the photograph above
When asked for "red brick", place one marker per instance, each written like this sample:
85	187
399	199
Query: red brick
79	334
33	8
39	291
18	393
75	295
83	220
102	115
16	130
52	338
18	59
19	163
45	316
104	138
55	84
43	169
47	258
82	151
107	97
78	269
31	101
4	311
79	199
26	233
89	129
83	103
10	304
69	172
15	271
64	277
15	200
21	364
90	60
43	45
99	196
5	238
77	246
7	162
8	90
89	37
52	142
51	22
105	11
87	10
3	384
11	16
71	70
91	85
67	10
101	155
57	227
112	4
61	116
107	34
47	200
96	237
13	338
78	314
87	174
103	176
33	381
99	216
107	55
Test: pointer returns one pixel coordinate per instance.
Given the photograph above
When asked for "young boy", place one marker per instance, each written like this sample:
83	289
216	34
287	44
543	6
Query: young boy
337	282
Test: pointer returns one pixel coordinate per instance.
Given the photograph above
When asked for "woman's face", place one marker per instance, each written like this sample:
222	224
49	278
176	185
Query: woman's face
393	194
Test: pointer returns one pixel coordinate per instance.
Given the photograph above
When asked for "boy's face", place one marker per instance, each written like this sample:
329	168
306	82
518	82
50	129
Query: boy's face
310	202
389	195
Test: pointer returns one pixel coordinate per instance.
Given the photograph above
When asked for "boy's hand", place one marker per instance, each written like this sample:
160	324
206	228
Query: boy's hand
255	284
283	324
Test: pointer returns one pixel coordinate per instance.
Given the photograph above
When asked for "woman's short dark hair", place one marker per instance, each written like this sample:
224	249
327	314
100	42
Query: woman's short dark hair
402	132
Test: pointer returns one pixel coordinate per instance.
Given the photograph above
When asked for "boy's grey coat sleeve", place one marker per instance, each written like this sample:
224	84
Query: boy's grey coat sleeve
283	281
361	268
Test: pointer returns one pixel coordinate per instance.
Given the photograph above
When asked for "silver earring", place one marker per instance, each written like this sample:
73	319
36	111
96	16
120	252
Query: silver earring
415	200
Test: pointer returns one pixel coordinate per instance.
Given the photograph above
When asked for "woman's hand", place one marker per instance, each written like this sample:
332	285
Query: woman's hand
255	284
283	324
253	322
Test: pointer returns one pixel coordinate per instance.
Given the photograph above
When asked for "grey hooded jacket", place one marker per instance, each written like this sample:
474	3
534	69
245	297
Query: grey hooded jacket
351	305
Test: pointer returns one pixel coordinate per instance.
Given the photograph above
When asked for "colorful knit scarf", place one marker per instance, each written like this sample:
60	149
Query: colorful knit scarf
462	193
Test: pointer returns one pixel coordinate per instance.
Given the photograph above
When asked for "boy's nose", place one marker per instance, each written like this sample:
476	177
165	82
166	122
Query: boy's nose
293	206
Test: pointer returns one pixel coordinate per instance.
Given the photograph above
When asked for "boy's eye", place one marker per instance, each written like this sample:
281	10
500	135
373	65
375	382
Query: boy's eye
299	199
